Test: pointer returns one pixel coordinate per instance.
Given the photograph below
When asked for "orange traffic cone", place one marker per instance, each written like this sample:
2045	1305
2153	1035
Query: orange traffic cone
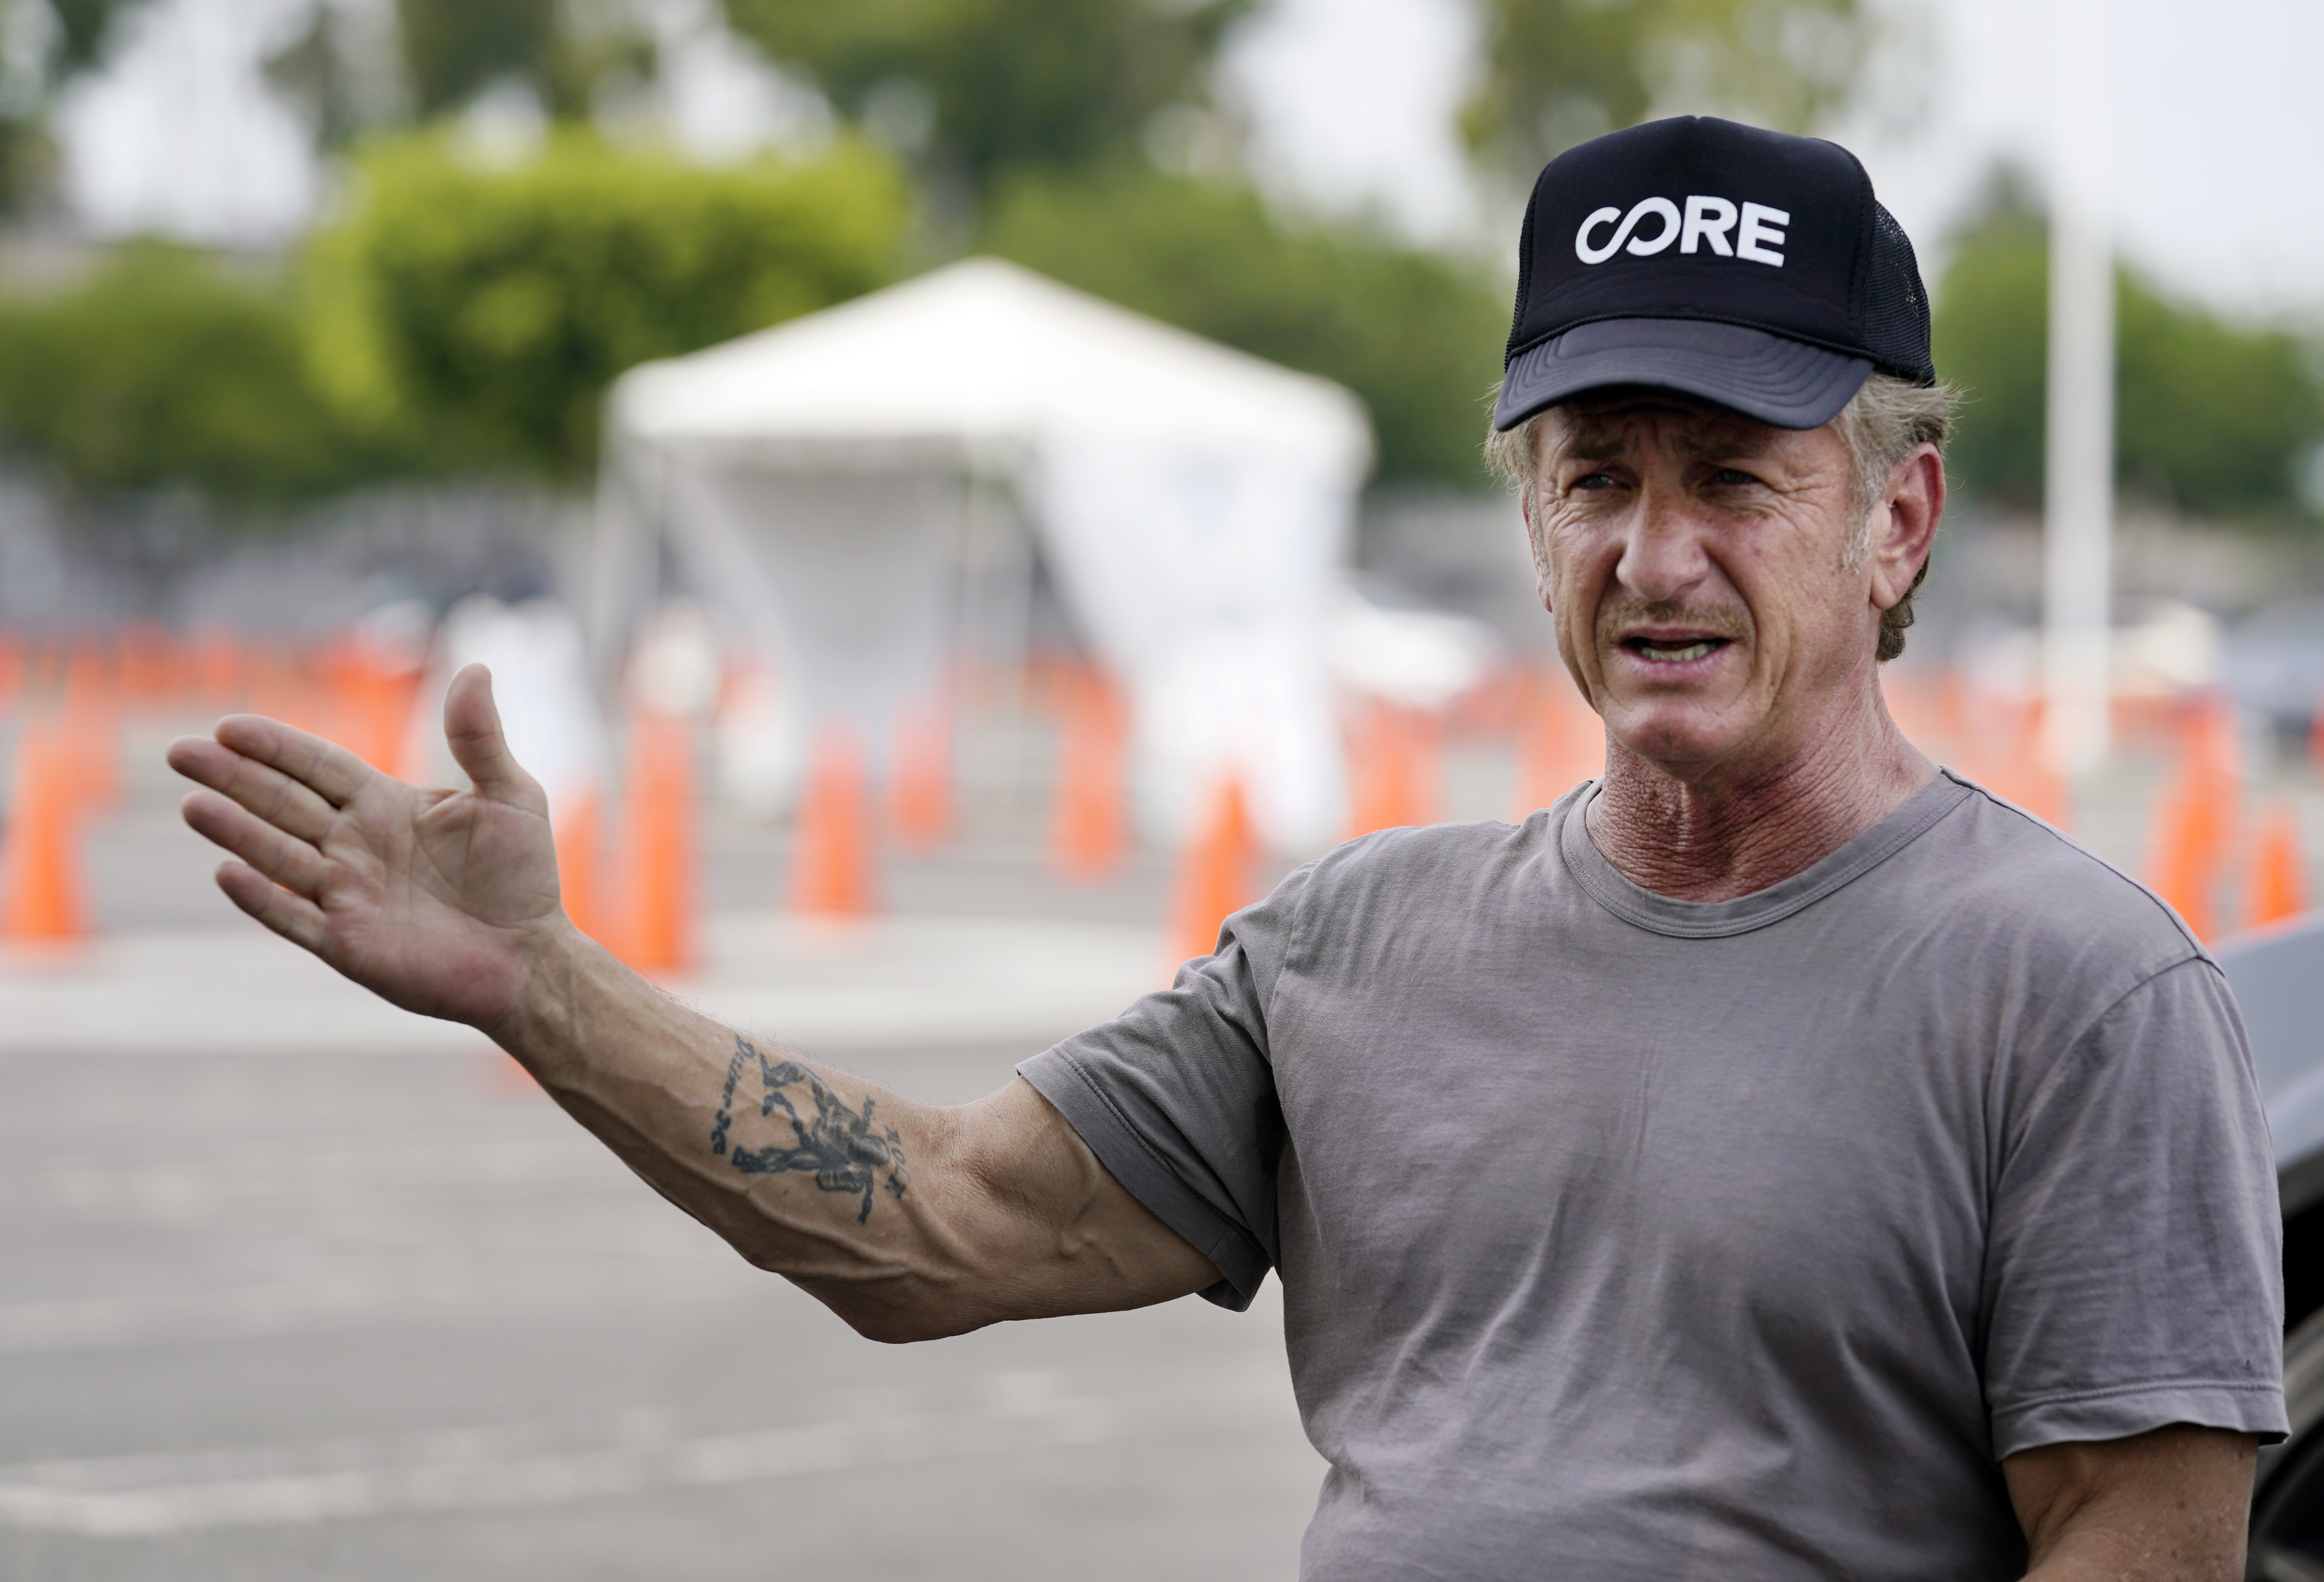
2188	839
39	860
1394	756
576	828
46	672
2274	890
1911	705
369	706
282	687
1559	743
220	670
1952	708
831	846
660	933
2039	788
143	663
1215	876
14	671
90	729
2001	750
920	799
1088	829
2194	823
1376	791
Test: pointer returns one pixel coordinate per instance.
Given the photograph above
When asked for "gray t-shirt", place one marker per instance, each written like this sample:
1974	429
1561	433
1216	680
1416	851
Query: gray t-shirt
1628	1238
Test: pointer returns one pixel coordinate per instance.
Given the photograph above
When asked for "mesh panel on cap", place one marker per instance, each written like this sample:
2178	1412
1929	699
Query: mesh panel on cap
1895	304
1525	282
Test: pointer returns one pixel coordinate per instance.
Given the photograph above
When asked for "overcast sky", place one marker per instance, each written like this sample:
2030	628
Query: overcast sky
2218	126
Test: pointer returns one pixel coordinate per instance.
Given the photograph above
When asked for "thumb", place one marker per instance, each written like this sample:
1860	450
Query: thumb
472	729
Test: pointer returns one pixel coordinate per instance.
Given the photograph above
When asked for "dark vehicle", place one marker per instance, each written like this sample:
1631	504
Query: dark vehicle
2276	666
2278	975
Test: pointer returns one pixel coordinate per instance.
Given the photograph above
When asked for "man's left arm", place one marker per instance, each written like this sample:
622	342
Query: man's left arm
2169	1505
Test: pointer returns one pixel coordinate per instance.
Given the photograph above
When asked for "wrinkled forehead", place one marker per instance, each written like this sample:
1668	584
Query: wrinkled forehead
1608	423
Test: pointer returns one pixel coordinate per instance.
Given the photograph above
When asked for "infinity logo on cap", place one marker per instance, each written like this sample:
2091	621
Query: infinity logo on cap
1707	219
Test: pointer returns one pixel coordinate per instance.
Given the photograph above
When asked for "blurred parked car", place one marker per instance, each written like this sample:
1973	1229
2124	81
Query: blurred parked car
2278	975
2275	665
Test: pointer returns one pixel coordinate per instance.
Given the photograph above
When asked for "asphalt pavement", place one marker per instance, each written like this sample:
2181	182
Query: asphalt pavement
377	1315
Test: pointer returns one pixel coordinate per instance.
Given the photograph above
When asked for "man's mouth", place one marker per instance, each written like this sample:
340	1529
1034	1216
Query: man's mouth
1672	650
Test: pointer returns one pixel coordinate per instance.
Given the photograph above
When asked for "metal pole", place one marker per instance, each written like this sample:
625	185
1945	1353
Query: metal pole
2078	485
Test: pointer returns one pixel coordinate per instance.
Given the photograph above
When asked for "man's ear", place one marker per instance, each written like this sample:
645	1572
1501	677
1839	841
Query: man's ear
1905	524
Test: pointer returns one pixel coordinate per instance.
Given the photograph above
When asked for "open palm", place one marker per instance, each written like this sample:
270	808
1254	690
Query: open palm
436	900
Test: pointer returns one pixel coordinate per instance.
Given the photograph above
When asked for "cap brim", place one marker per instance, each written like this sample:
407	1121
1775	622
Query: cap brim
1778	381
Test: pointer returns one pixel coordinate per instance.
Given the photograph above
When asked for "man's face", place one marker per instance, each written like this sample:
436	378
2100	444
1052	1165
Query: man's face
1697	564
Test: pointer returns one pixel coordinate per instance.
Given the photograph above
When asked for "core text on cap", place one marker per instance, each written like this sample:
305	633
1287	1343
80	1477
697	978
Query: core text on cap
1706	221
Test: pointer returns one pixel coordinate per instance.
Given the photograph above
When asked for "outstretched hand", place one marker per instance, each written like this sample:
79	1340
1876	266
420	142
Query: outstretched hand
438	901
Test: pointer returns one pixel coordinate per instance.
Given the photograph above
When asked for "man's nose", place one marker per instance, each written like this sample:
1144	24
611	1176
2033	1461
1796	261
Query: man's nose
1663	556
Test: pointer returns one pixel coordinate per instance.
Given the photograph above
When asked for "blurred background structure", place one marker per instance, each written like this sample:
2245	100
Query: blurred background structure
957	495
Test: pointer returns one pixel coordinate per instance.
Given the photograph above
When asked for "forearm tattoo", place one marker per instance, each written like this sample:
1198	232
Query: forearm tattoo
837	1147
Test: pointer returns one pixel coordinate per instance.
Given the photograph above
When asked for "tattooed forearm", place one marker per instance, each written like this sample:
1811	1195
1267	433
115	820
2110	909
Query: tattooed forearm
837	1147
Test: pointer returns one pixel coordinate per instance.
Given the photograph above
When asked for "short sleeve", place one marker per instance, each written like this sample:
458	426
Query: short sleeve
1177	1097
2135	1274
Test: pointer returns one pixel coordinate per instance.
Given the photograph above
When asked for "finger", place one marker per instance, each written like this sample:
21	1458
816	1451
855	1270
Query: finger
335	773
291	805
471	728
291	863
294	918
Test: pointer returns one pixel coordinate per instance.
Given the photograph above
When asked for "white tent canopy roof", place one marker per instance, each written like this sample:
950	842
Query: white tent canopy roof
1194	505
992	359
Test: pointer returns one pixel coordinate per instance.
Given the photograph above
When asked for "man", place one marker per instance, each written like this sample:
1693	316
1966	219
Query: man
1779	1159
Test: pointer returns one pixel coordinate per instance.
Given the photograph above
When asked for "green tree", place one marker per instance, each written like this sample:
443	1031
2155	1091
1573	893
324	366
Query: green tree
1558	72
84	32
2214	419
2209	418
448	51
482	313
1046	84
159	370
315	71
1991	329
452	48
1418	336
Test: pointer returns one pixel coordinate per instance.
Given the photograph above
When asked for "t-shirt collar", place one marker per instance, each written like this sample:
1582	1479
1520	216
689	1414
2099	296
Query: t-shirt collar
1716	919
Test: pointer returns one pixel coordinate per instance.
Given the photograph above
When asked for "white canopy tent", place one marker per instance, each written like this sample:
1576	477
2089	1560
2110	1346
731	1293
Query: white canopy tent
837	488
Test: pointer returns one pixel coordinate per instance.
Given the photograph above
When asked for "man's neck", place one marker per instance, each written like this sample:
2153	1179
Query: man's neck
1715	836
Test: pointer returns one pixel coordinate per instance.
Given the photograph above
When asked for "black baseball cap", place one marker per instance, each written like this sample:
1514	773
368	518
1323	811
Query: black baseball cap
1750	268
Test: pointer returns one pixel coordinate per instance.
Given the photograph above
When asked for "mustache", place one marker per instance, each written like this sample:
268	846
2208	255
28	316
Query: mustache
1713	621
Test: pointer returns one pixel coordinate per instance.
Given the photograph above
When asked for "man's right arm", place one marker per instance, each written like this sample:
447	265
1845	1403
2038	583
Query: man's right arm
909	1221
903	1218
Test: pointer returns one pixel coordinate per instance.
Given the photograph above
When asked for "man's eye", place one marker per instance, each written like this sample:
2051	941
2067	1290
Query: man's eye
1732	478
1594	481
